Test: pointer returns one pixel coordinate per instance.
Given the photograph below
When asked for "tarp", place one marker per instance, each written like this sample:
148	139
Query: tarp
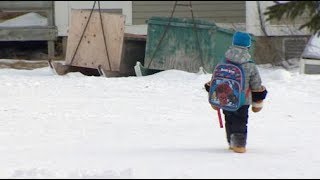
312	49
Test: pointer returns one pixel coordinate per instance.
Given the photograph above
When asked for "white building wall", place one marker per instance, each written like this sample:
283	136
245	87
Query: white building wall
253	22
63	10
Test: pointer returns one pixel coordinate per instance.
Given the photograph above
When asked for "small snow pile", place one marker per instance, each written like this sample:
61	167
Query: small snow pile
29	19
137	29
279	74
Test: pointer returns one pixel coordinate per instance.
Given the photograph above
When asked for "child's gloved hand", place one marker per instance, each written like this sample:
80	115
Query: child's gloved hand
213	107
257	98
207	86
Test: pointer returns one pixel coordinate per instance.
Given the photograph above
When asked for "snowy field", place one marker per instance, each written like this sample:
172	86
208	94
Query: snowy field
158	126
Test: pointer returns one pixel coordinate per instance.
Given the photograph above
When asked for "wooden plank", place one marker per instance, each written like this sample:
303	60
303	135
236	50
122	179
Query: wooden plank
50	17
64	45
28	34
91	52
51	49
135	37
25	5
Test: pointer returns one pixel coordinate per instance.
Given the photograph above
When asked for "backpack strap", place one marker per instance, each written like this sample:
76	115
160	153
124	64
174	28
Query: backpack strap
250	61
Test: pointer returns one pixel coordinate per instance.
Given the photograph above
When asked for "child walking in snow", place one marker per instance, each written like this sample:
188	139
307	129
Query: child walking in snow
236	121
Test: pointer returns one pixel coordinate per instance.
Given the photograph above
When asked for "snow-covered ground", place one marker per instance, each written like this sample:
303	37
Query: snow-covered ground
158	126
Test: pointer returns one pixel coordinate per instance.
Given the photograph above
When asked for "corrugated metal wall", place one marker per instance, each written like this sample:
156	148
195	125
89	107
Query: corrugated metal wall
293	47
216	11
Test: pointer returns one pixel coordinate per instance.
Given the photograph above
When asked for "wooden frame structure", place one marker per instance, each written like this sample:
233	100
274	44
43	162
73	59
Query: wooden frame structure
31	33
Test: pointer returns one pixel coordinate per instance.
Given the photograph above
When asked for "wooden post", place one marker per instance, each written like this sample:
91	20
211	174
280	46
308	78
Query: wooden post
51	50
50	13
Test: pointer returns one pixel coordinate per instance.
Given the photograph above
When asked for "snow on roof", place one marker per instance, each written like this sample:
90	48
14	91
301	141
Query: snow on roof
29	19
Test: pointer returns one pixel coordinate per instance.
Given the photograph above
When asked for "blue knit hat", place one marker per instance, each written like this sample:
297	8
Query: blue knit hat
241	39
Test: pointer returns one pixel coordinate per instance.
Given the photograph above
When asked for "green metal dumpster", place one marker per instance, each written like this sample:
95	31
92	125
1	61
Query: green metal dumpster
179	48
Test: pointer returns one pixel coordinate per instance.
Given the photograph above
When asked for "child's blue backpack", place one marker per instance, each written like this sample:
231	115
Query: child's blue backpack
227	90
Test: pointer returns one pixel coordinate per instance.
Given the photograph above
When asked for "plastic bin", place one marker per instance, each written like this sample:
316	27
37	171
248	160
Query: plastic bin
179	48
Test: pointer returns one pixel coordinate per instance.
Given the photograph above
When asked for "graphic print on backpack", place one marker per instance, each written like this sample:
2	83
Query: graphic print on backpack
227	83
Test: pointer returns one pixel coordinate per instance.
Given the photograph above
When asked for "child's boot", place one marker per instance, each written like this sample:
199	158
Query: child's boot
238	142
239	149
